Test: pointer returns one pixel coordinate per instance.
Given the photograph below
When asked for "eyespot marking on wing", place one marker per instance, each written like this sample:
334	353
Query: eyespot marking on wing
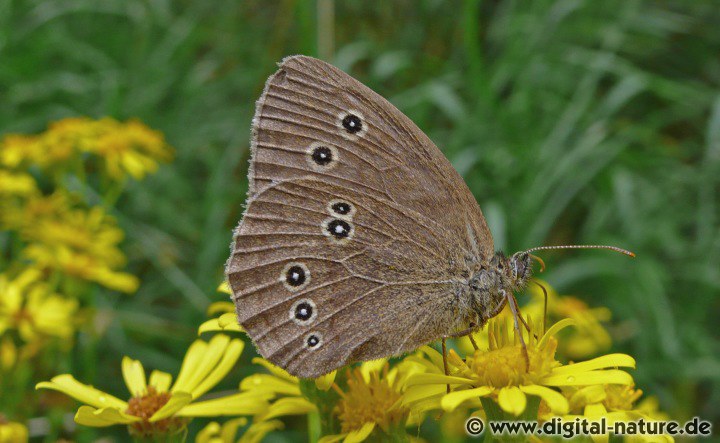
352	124
303	312
341	208
338	230
322	157
295	276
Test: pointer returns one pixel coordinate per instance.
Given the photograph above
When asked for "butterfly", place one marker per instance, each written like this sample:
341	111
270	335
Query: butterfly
359	240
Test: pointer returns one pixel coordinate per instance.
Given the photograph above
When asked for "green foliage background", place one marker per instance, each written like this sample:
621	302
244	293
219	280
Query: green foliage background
572	122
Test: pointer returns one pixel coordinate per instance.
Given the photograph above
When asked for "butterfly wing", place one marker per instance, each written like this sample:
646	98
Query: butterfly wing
357	234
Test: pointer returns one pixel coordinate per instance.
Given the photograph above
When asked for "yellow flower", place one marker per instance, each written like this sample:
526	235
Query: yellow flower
227	321
12	432
16	183
130	147
82	243
18	216
158	407
226	433
27	305
501	373
80	265
615	403
372	402
283	388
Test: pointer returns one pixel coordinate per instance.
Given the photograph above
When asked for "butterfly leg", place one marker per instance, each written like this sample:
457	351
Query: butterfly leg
445	363
544	305
514	308
472	340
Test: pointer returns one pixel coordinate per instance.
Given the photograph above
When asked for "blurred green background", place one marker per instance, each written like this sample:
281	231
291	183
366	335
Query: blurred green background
572	122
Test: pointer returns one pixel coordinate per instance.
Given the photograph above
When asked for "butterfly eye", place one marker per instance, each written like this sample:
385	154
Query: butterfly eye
352	123
313	341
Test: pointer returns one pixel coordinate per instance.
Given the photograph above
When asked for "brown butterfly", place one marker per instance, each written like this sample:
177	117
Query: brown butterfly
360	240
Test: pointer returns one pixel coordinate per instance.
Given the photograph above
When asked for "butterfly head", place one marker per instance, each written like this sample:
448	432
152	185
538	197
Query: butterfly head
513	272
520	266
490	286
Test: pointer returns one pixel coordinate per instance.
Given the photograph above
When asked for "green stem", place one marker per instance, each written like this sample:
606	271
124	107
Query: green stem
495	413
322	421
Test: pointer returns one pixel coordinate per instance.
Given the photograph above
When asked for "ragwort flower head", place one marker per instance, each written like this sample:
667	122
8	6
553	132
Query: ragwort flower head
78	242
158	406
501	373
28	306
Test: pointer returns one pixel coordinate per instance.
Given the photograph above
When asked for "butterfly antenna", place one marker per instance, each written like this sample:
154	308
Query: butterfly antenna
612	248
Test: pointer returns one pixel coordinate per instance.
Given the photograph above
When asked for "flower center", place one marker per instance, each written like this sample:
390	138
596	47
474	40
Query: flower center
147	405
506	366
369	402
621	398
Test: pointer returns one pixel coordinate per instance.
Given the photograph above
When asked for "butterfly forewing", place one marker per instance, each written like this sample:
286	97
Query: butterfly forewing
357	232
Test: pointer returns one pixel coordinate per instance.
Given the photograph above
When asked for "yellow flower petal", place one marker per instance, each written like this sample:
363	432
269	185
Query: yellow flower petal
209	326
609	376
229	322
452	400
134	375
67	384
371	366
554	329
176	402
269	383
427	379
209	434
332	438
606	361
257	431
512	400
190	363
229	358
214	351
360	434
434	355
422	392
588	394
89	416
276	371
161	381
595	410
244	403
433	404
230	428
324	382
288	406
220	307
555	400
